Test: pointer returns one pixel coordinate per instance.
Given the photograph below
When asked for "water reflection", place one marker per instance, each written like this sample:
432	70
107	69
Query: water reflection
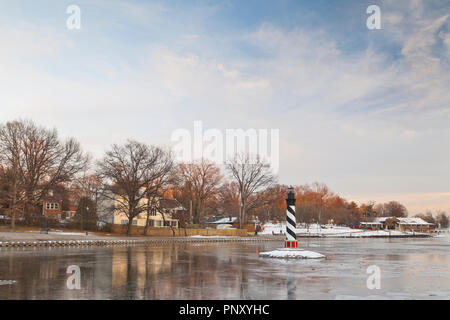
291	288
227	271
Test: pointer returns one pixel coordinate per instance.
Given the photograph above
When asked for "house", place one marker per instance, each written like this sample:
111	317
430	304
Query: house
171	207
374	225
105	207
69	214
52	206
414	224
401	224
166	207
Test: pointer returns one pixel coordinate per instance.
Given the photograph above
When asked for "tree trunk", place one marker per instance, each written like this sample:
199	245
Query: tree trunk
190	212
244	209
240	215
130	222
196	216
13	205
170	224
147	220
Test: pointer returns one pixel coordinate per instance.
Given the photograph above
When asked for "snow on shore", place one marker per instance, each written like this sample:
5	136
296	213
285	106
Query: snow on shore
61	233
314	229
208	237
333	231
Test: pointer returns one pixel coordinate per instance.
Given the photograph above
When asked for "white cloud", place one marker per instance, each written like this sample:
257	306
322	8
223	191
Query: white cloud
355	120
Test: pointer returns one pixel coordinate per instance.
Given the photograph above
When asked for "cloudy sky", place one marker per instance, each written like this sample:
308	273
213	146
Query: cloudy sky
365	111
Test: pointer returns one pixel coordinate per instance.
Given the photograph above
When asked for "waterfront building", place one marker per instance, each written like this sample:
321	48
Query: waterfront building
400	224
166	207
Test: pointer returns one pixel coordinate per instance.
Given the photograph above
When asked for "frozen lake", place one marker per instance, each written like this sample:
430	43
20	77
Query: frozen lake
410	269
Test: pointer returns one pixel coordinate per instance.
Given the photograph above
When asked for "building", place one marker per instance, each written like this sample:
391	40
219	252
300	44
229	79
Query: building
166	207
69	214
105	207
52	206
400	224
374	225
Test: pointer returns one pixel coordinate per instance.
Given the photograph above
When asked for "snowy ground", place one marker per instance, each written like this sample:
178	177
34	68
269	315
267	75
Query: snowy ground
332	231
62	233
285	253
208	237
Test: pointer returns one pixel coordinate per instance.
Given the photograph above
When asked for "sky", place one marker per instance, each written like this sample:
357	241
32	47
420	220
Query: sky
365	111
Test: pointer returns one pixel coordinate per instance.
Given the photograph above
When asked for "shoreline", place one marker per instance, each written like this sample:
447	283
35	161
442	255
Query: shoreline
370	236
73	239
83	242
36	239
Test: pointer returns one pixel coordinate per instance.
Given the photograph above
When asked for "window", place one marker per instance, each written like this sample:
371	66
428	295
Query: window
124	221
135	222
52	206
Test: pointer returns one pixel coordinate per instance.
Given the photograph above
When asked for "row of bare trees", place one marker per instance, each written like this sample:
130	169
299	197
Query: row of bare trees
34	160
138	175
440	219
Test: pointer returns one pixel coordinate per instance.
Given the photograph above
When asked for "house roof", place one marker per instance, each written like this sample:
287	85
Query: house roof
54	198
415	221
410	221
171	204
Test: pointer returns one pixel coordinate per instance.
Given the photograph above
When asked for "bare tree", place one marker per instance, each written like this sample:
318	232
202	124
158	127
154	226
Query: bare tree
39	161
202	178
253	175
391	209
11	136
163	181
228	198
89	185
132	170
47	161
442	219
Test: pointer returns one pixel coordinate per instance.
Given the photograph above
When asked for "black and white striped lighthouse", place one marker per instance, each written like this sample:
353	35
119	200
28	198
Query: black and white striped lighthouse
291	237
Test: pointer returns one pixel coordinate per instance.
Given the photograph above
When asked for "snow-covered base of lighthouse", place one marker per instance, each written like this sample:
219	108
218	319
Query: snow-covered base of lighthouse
289	253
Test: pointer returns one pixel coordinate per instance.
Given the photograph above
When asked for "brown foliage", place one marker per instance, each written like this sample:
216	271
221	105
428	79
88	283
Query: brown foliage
200	182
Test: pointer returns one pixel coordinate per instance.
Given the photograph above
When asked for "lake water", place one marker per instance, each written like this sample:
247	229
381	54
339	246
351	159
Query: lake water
410	269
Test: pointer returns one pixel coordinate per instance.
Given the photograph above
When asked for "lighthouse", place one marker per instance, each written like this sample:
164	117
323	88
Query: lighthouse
291	237
291	250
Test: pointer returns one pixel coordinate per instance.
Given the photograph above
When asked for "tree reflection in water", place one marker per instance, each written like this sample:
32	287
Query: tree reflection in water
226	271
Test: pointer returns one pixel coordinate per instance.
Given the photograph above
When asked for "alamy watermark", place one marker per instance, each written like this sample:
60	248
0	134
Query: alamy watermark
374	280
374	20
73	22
74	280
219	146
